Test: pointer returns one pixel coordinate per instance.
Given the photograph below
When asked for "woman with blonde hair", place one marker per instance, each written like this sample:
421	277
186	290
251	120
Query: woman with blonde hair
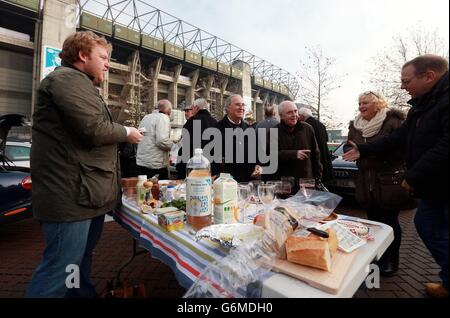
376	188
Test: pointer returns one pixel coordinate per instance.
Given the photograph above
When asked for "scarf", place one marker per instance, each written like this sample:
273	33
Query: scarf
372	127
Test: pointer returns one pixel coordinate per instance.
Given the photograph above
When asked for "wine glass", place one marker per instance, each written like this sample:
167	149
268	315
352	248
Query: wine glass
306	186
277	187
266	193
244	192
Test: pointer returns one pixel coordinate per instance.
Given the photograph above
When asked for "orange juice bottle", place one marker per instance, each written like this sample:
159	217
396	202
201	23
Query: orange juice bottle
198	191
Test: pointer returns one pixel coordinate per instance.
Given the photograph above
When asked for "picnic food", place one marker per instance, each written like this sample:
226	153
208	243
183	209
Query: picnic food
356	228
312	250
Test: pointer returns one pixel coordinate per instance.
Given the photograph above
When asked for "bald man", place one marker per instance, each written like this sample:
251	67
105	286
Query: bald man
153	151
298	153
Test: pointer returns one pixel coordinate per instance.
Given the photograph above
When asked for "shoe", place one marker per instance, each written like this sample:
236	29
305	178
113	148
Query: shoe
388	268
436	290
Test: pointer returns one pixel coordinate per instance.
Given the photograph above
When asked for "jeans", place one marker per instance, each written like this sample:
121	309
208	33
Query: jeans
389	217
432	225
66	244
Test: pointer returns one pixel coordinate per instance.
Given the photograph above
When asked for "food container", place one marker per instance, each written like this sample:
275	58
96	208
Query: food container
172	221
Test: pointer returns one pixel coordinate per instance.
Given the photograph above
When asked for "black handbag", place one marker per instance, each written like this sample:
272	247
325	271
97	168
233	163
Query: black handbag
392	195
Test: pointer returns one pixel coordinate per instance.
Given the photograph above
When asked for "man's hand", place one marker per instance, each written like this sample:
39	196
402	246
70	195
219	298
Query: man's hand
407	187
353	154
134	136
257	172
303	154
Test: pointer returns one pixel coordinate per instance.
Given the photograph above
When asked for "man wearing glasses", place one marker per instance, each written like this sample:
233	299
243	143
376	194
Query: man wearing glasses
424	137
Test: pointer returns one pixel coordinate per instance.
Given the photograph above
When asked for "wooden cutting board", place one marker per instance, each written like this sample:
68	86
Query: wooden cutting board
329	282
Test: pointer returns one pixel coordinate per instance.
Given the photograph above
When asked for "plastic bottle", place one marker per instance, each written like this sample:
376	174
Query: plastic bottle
141	190
198	191
170	194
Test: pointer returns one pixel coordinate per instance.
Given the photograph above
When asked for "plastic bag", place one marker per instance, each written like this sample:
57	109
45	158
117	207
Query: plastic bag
230	276
313	205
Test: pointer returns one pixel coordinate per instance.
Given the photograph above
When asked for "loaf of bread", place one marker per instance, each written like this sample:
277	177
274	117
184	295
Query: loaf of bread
312	250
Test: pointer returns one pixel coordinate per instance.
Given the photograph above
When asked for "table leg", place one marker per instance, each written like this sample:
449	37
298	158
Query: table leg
134	253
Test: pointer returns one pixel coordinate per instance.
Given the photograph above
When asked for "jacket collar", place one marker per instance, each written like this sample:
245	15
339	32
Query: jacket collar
66	64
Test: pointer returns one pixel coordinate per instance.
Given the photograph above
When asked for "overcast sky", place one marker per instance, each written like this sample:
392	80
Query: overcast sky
352	31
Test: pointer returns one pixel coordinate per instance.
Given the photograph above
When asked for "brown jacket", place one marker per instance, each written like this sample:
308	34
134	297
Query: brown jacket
302	137
368	186
74	161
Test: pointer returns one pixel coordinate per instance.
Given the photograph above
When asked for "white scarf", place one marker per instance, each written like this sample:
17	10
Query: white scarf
372	127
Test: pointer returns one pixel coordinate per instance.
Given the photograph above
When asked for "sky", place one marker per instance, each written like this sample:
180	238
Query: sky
351	31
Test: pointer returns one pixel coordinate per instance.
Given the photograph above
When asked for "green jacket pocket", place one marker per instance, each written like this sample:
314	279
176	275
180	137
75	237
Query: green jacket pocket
98	185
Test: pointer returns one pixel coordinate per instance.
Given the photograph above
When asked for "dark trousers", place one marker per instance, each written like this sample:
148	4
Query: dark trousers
389	217
163	173
432	225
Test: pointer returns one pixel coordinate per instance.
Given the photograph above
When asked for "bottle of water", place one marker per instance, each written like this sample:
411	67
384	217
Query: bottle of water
198	191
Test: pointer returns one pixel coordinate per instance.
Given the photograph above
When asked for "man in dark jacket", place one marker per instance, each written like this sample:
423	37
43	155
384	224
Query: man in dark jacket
424	137
74	166
233	123
320	131
298	153
202	119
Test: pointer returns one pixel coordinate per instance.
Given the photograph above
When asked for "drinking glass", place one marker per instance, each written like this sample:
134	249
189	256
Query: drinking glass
244	192
266	193
306	186
285	190
291	180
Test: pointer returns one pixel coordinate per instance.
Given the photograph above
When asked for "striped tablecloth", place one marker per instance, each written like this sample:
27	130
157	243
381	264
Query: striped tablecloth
177	249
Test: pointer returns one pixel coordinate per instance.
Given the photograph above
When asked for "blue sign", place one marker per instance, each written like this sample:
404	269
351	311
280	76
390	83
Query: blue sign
51	60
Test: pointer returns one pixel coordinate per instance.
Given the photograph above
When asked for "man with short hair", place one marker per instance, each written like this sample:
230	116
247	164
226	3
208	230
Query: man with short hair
232	121
298	153
269	118
424	136
202	117
305	115
188	113
74	166
153	152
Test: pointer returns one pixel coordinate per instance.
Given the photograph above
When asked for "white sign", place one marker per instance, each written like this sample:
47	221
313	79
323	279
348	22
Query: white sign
51	60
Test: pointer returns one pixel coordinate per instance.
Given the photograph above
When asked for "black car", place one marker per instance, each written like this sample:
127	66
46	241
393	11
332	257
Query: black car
15	182
344	173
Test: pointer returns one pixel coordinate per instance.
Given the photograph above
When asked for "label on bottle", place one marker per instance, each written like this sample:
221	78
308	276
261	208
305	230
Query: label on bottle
198	196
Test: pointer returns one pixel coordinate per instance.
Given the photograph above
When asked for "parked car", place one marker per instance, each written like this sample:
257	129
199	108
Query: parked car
15	181
344	173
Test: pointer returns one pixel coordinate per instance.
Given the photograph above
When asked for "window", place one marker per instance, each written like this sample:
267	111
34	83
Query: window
17	153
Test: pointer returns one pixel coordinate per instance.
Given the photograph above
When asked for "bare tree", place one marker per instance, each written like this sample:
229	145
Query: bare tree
317	80
387	65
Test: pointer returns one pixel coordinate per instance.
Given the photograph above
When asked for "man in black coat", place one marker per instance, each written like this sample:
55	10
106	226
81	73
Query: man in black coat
202	117
305	114
424	137
232	121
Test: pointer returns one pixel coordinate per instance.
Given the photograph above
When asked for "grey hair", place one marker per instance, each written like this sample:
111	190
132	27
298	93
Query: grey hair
201	103
164	104
304	111
283	104
230	99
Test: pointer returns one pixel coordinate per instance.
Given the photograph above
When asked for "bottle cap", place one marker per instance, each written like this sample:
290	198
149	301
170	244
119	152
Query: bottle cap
198	151
142	178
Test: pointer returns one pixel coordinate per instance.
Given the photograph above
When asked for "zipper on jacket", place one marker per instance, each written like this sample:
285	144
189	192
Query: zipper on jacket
370	175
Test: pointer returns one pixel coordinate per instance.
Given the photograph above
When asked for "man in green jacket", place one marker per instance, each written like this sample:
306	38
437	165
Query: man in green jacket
74	166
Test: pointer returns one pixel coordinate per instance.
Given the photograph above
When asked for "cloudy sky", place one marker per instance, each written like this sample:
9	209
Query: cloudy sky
352	31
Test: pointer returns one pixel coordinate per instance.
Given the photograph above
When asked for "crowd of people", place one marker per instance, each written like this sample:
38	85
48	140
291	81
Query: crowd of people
75	159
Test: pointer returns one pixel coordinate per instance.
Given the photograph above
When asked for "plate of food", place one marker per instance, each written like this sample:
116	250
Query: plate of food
230	235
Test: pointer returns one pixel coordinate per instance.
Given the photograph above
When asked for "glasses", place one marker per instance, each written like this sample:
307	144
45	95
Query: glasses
372	93
239	104
407	81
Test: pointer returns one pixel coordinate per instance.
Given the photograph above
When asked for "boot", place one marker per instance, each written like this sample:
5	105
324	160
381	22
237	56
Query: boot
436	290
389	266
